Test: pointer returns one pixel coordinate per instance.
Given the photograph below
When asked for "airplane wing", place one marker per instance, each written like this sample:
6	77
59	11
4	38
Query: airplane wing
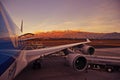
34	54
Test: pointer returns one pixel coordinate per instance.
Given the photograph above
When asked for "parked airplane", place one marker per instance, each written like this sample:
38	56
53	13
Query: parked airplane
13	59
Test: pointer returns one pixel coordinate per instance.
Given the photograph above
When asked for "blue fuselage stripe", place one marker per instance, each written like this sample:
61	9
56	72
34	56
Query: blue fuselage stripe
5	63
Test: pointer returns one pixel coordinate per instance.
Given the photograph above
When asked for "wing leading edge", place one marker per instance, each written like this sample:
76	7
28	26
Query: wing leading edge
51	50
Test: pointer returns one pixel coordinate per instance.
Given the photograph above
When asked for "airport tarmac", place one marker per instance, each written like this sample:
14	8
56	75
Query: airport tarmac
54	68
114	52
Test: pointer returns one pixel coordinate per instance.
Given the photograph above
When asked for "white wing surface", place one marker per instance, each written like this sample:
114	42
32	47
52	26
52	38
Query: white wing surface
34	54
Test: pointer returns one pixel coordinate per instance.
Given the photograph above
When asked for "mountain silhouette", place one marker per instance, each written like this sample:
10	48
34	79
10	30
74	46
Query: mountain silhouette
77	35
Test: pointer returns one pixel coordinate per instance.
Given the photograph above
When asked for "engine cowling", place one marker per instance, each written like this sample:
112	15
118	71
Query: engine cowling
88	50
77	62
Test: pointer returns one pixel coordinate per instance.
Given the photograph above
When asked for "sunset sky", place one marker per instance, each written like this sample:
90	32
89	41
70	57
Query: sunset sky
81	15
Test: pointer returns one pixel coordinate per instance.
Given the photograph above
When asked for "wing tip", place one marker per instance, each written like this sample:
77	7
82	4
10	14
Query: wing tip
88	40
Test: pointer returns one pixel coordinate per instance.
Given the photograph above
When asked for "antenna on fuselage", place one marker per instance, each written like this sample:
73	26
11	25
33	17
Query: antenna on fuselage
22	26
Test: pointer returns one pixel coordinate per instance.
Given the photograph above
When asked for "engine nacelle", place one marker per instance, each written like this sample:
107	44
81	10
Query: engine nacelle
88	50
77	62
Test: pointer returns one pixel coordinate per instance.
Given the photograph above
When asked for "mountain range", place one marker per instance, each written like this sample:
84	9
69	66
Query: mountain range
77	35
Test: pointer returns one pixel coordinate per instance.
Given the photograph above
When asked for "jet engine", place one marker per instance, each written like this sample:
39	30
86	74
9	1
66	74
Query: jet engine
76	61
88	50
